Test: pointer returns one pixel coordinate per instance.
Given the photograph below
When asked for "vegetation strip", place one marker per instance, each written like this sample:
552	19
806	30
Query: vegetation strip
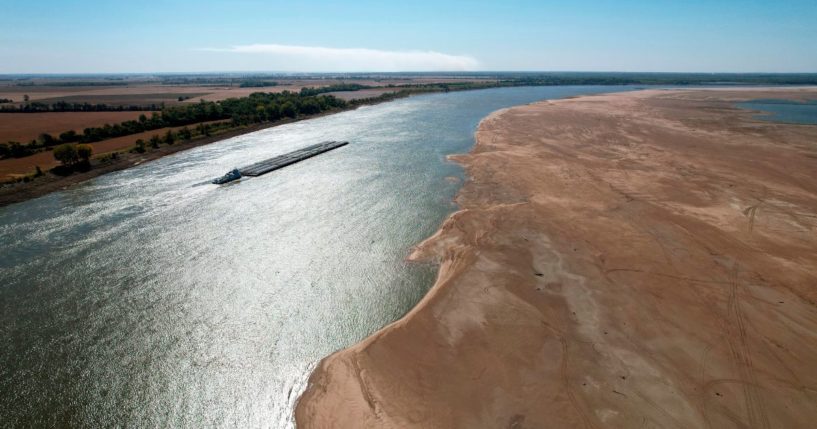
235	115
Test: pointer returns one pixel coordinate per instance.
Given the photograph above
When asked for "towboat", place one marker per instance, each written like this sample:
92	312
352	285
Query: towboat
233	174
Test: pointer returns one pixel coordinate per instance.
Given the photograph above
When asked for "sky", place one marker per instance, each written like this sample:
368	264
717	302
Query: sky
86	36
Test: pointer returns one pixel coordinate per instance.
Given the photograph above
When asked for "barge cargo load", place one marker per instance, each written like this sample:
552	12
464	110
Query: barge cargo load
272	164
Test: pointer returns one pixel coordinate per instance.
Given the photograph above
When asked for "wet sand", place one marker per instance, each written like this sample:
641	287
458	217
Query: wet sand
643	259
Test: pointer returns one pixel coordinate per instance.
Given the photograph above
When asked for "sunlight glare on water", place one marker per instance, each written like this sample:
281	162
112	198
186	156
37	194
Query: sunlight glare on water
140	299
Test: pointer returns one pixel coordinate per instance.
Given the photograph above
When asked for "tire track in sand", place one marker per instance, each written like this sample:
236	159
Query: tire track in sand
742	356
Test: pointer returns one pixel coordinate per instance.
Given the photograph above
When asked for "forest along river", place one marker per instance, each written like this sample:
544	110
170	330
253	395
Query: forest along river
139	299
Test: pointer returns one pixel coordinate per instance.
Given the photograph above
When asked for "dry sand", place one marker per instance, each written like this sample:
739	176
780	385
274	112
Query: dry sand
644	259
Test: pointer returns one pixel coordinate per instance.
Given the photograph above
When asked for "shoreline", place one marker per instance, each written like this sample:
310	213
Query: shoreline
509	277
20	192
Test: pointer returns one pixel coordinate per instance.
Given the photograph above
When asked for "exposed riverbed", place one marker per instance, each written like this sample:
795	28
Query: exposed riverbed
139	299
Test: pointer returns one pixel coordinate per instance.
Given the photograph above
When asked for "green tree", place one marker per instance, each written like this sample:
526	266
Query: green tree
26	98
69	136
309	107
154	141
66	153
289	110
140	146
273	112
84	152
169	138
185	134
19	150
203	129
48	140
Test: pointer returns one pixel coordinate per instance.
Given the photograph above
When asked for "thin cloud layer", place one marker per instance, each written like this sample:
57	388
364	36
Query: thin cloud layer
293	57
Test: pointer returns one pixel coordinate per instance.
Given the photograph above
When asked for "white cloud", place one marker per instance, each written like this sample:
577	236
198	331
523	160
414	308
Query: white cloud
315	58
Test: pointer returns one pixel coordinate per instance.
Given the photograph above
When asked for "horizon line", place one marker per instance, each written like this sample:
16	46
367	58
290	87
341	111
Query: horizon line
477	72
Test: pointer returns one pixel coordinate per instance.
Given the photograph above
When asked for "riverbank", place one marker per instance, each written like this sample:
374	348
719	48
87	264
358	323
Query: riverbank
18	192
26	185
118	157
623	260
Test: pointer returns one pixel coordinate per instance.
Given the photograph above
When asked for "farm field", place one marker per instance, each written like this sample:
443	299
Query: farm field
13	167
137	94
146	93
154	98
23	127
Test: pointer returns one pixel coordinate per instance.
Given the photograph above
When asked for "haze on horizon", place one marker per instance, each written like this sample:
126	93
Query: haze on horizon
94	36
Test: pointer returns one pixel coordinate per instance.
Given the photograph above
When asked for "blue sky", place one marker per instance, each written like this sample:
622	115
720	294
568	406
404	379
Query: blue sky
77	36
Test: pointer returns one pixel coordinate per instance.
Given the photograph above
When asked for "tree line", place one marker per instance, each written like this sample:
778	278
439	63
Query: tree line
269	107
256	108
64	106
257	84
333	88
263	107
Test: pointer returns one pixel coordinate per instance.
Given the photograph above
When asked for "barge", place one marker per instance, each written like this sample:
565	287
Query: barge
281	161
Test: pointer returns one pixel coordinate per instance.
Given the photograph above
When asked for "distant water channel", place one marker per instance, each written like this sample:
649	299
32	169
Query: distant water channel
786	111
138	299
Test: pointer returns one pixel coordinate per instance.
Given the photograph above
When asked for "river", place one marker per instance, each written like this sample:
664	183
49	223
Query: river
141	299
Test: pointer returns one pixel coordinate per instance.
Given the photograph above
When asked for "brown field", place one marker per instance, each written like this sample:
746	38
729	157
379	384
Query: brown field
45	160
136	94
224	92
24	127
156	98
16	167
126	142
146	93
